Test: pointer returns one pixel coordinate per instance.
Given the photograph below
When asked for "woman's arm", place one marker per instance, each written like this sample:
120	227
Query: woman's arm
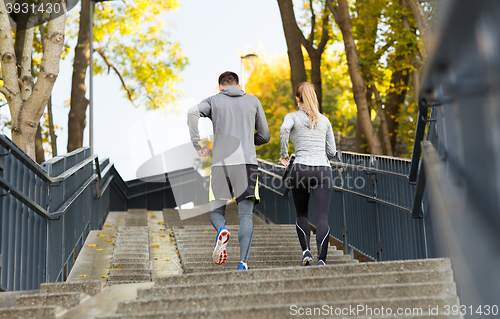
285	129
331	148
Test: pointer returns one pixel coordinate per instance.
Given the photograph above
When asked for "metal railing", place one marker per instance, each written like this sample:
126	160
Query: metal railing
370	209
458	176
46	213
158	192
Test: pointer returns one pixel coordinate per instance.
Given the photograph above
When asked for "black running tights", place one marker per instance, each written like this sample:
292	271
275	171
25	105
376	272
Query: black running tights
318	181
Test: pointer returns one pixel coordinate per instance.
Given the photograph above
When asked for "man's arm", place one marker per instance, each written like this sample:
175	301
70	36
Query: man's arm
201	110
262	135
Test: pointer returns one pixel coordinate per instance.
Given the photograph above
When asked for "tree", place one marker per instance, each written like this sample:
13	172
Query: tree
26	98
293	37
343	20
132	41
422	21
270	83
315	45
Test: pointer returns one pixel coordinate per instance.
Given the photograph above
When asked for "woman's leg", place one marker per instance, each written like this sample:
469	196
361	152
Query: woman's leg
300	194
322	195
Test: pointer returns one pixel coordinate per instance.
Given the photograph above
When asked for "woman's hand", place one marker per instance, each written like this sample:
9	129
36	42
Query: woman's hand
285	161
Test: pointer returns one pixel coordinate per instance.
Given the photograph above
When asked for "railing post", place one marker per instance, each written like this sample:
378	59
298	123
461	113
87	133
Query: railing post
419	136
377	218
347	249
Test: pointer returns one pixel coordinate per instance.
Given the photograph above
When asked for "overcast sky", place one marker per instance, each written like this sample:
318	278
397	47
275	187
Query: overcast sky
213	35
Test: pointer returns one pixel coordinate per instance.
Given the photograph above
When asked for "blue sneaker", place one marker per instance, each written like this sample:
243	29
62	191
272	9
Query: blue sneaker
321	263
242	266
220	254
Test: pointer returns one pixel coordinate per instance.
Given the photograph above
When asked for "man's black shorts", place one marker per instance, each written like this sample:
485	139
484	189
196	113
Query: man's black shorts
239	181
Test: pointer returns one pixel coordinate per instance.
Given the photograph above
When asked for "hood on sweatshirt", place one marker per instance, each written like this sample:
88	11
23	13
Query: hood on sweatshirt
232	90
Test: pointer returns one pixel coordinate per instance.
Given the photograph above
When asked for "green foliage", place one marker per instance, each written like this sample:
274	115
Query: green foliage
134	38
270	83
338	102
386	46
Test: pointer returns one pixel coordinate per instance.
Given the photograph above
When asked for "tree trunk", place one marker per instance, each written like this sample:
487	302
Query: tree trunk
399	79
316	77
52	132
40	153
383	129
422	22
358	85
293	41
394	99
27	99
79	103
416	85
21	20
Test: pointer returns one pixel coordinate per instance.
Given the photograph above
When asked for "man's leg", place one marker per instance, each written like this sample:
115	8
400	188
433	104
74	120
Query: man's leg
217	213
245	234
218	220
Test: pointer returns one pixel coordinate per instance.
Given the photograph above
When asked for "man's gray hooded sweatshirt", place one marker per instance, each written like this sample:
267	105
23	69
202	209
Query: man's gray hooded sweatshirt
239	123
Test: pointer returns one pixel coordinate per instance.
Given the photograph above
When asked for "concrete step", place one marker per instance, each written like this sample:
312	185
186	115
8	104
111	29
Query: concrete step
269	250
234	232
128	254
269	259
131	241
125	271
233	229
88	287
64	300
361	293
231	267
38	312
129	260
284	254
256	286
255	244
296	272
276	227
259	261
129	277
285	311
129	265
123	251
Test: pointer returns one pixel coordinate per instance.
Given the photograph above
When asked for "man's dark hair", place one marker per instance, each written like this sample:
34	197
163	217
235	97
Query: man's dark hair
228	78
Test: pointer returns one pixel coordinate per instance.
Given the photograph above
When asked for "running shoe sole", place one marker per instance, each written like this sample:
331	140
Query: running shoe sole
220	254
307	261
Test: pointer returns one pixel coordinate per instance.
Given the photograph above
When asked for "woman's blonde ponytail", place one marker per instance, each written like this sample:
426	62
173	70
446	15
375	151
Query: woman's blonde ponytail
309	102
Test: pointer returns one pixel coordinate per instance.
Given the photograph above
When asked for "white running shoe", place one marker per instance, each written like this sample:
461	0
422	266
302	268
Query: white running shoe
220	254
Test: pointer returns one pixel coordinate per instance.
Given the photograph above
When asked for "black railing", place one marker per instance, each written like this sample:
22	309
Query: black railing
157	192
459	176
46	212
370	210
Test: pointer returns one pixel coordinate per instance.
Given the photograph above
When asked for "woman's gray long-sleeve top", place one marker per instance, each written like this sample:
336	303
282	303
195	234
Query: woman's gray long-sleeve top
311	145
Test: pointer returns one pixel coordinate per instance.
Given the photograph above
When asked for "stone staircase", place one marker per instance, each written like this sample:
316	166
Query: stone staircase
131	260
275	286
53	299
